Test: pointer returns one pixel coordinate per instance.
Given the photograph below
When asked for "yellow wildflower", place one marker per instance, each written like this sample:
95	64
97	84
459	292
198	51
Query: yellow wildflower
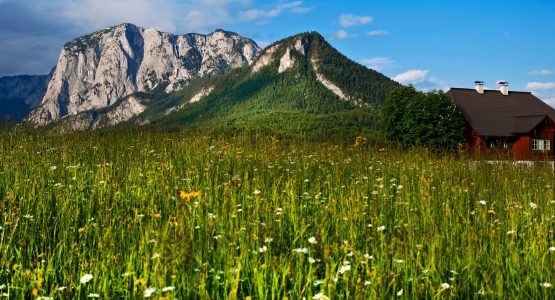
189	196
81	230
140	281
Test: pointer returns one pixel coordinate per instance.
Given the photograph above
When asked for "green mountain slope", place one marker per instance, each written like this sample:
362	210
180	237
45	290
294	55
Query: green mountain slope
293	101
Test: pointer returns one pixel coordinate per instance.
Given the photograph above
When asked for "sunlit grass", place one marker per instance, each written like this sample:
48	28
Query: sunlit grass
131	215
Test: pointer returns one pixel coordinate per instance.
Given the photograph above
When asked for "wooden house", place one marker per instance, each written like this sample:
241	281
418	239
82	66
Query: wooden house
503	121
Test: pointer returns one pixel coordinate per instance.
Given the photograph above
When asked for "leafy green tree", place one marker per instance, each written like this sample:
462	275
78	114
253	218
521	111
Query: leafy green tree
394	111
412	118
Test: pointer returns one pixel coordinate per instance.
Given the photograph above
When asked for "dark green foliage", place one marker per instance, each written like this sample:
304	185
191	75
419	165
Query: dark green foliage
412	118
356	80
394	113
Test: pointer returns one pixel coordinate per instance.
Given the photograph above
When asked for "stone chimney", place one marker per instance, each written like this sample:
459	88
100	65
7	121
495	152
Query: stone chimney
504	88
479	86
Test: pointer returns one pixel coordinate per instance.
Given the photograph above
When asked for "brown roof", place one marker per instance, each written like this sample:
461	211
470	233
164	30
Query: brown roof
525	124
494	114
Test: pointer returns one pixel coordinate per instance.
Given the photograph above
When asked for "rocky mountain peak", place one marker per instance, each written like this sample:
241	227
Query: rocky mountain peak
96	70
299	44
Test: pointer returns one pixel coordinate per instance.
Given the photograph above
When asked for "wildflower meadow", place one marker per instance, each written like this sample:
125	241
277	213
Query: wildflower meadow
116	214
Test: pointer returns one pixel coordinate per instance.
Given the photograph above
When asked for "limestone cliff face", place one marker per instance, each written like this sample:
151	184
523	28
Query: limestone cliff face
96	70
117	113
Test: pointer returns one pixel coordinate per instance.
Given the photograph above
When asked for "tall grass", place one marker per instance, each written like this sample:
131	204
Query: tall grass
271	220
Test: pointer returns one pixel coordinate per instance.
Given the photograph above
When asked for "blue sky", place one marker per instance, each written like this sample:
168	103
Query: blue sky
432	44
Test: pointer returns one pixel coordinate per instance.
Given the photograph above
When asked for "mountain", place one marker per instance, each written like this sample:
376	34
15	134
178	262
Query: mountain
20	94
97	70
298	85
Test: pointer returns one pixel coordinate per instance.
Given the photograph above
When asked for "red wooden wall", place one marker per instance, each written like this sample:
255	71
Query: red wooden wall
522	147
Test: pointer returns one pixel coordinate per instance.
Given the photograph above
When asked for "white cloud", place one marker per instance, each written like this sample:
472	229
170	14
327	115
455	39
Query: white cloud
166	15
550	101
541	72
377	63
302	10
340	35
220	3
546	96
169	15
534	86
411	76
263	16
290	4
102	13
349	20
377	33
431	83
252	14
420	80
197	20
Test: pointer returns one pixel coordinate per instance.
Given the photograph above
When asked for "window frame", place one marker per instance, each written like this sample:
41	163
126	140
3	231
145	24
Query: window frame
541	145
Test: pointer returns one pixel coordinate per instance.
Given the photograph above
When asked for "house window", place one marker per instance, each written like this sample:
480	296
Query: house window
498	144
541	145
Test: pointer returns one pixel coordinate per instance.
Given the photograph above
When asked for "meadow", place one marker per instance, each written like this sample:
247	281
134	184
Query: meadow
120	214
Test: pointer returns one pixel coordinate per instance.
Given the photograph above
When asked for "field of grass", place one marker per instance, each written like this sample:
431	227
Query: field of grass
130	215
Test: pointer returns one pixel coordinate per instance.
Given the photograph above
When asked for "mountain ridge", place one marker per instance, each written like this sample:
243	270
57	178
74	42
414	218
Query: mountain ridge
20	94
297	84
95	70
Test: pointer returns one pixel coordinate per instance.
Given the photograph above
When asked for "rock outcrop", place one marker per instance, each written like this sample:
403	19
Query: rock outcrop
96	70
117	113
